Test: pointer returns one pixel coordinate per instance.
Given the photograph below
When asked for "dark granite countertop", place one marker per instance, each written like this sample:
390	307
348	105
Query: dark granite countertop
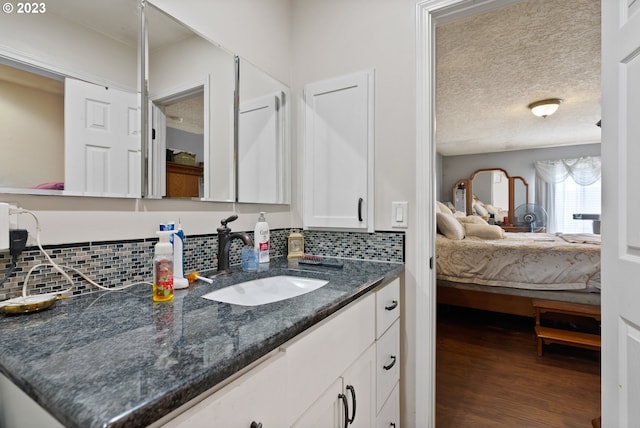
112	359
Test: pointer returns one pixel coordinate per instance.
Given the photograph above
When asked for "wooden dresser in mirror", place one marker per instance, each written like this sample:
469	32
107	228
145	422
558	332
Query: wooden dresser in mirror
183	181
495	187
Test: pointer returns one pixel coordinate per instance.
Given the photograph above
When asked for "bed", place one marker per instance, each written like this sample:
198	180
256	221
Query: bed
504	271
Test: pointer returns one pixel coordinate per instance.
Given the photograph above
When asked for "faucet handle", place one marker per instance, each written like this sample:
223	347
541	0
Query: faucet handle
229	219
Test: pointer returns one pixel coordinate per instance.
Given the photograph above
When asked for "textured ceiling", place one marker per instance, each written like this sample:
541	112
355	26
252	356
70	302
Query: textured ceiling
489	67
187	114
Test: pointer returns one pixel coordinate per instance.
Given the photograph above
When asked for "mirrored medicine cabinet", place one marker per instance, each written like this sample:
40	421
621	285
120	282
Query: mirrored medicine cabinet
70	122
71	101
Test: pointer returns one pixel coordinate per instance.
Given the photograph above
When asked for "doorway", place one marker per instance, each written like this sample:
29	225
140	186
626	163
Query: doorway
429	13
179	151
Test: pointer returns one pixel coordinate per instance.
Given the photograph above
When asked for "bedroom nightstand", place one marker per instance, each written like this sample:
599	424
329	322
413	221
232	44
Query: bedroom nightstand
547	335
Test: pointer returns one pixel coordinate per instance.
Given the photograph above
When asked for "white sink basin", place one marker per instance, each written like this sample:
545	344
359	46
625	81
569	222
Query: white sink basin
265	290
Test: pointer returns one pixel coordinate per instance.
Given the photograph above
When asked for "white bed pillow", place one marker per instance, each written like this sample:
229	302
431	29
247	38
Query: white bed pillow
442	208
484	231
480	209
471	219
449	226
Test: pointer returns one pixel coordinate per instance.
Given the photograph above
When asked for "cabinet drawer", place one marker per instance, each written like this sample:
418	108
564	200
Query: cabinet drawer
387	306
257	396
322	355
389	416
387	363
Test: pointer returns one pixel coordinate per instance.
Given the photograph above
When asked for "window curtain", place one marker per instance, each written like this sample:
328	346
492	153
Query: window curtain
545	197
585	171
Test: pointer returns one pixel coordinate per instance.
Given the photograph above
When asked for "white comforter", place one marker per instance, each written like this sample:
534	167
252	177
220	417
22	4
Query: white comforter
536	261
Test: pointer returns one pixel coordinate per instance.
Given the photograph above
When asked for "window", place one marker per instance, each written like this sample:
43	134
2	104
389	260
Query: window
570	198
566	187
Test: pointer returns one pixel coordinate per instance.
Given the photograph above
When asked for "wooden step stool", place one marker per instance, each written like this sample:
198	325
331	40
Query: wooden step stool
547	335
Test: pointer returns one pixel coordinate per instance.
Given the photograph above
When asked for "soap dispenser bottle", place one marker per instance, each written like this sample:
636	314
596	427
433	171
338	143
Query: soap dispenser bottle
163	268
261	239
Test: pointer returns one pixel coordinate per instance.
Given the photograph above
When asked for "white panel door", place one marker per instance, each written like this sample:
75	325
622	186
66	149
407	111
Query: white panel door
338	159
102	140
259	150
158	152
621	205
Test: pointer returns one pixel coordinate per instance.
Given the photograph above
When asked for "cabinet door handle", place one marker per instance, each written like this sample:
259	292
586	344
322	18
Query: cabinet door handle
360	201
392	306
345	407
256	425
352	390
392	425
391	364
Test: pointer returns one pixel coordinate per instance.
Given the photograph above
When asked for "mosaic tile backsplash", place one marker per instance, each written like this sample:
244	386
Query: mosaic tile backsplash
116	263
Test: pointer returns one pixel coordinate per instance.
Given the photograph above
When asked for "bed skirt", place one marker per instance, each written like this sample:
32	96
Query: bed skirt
515	301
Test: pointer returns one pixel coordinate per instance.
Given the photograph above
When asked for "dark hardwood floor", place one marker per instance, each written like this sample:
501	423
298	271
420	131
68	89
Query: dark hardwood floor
488	374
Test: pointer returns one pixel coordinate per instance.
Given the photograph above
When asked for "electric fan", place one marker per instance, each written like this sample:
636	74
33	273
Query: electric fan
532	216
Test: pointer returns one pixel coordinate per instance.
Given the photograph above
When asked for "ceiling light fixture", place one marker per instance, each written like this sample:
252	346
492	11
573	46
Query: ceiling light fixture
545	108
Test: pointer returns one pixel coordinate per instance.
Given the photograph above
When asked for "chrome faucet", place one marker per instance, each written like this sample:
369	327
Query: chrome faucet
224	243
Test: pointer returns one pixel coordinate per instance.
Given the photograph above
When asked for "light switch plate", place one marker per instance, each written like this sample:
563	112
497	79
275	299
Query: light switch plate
399	214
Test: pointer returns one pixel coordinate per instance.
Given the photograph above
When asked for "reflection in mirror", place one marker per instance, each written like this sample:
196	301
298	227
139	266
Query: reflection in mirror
191	91
52	65
263	154
460	190
520	195
492	187
491	190
183	136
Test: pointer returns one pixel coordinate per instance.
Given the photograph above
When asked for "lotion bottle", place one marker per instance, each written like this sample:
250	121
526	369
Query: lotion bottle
163	268
261	239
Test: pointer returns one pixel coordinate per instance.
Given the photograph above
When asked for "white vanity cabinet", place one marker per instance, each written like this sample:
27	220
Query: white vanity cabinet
312	380
338	152
350	397
255	398
388	355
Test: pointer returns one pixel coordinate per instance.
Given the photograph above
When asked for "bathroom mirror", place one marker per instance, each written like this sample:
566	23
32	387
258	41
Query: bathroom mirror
201	145
262	145
493	186
70	101
191	100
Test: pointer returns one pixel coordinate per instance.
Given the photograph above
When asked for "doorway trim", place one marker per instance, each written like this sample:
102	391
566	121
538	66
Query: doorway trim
156	155
428	13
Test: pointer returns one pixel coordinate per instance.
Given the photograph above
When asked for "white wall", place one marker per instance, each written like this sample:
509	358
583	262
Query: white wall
516	163
336	37
31	133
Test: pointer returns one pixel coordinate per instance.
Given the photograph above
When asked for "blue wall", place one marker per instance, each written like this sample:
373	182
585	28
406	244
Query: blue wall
516	163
